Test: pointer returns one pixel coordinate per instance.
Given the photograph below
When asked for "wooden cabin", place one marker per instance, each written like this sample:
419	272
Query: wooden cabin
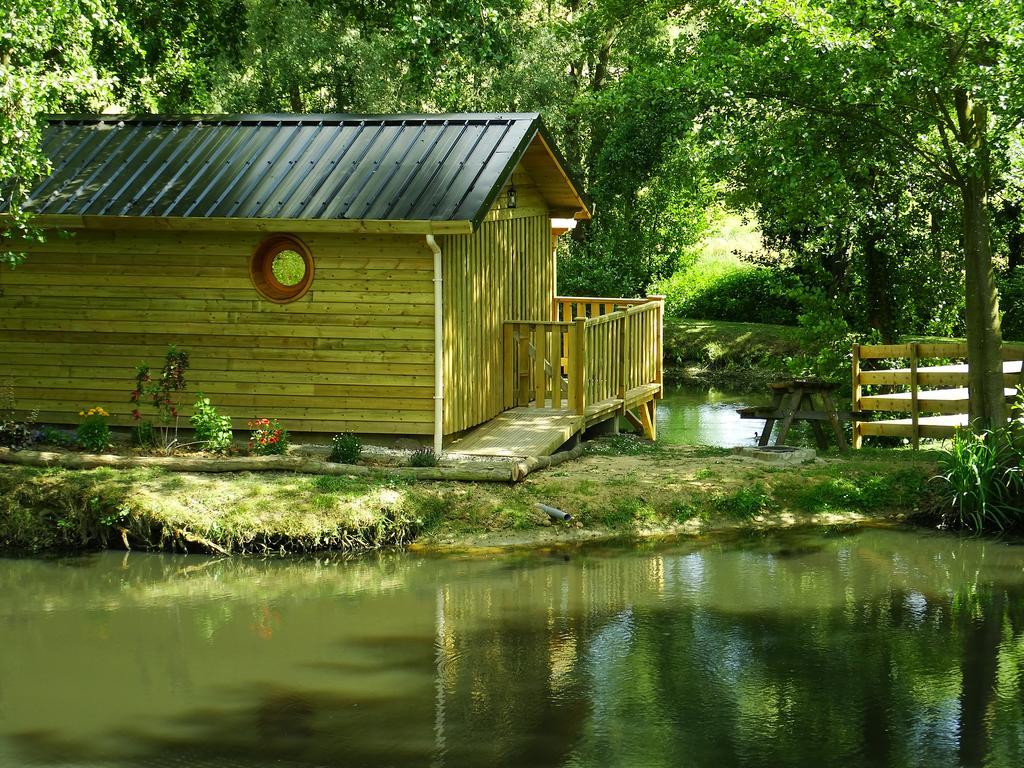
385	275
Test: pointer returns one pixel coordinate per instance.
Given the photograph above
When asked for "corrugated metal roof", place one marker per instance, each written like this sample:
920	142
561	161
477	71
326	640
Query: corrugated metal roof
369	167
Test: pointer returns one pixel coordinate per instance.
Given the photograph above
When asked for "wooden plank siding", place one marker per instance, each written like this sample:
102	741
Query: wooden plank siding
355	353
505	271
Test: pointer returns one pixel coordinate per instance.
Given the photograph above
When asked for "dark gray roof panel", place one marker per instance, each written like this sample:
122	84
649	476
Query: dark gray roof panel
395	167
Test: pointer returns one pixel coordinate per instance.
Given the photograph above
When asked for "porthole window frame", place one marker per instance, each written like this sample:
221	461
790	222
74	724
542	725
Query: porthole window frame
261	268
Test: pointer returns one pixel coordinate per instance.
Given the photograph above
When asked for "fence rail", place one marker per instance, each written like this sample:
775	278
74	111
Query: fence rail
934	397
595	350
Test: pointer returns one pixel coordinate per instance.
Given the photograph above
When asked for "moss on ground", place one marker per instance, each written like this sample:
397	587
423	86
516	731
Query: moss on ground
623	486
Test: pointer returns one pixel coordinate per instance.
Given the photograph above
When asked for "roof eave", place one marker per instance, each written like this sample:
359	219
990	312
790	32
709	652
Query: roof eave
196	224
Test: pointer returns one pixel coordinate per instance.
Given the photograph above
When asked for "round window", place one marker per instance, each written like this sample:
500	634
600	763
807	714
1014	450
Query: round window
282	268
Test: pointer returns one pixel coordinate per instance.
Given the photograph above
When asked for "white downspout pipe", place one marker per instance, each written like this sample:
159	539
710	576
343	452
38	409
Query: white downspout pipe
438	346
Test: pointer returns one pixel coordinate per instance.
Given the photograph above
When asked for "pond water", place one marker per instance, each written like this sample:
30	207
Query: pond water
810	648
690	415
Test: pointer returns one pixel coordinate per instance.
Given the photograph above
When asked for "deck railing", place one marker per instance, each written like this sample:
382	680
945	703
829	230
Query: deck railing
596	350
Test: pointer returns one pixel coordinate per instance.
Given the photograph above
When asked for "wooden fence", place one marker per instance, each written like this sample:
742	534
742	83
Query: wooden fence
597	351
935	397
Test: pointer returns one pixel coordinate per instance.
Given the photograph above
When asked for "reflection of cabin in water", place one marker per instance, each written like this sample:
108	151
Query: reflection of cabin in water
381	275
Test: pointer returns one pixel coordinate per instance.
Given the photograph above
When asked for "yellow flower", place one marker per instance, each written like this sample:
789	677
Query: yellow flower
81	413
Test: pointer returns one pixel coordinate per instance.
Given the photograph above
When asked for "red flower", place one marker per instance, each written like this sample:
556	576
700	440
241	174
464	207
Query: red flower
136	415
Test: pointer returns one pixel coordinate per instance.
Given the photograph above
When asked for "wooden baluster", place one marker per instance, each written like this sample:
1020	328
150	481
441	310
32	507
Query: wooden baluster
508	365
624	358
580	363
554	363
539	383
524	364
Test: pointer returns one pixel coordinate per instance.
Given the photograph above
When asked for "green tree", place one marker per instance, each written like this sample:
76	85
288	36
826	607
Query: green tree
942	84
47	64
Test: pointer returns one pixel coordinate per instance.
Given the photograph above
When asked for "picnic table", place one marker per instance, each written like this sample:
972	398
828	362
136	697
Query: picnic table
794	400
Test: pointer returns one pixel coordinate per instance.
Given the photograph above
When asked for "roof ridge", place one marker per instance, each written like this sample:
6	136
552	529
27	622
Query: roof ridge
293	119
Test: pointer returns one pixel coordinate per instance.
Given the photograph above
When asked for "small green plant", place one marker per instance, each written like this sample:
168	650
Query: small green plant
981	480
48	435
268	437
346	448
13	434
212	429
424	457
143	434
93	434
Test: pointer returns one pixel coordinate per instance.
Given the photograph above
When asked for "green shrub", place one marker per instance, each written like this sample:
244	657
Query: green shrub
93	434
346	448
212	429
711	289
424	457
982	482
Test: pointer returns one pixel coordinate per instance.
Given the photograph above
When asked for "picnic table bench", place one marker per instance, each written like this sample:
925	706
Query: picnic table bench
793	400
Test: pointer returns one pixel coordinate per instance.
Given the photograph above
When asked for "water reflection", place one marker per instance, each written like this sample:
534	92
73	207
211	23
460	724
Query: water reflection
698	416
850	648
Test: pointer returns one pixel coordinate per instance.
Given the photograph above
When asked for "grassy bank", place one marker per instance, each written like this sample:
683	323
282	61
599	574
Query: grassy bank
622	487
738	356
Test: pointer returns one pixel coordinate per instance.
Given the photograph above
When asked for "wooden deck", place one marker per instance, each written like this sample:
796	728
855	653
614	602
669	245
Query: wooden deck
595	360
521	432
529	431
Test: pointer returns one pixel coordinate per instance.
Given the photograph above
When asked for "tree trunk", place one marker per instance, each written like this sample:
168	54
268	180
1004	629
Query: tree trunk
978	670
984	337
295	99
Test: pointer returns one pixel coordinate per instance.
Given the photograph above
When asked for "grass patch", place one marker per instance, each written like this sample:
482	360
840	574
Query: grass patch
621	490
628	513
744	503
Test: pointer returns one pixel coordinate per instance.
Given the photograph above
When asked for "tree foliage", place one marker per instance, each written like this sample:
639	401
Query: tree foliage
48	63
878	143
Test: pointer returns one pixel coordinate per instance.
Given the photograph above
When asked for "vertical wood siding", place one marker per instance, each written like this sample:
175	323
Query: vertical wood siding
503	272
354	354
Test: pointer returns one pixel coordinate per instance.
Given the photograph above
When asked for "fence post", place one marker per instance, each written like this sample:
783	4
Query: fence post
857	438
659	346
915	410
579	364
